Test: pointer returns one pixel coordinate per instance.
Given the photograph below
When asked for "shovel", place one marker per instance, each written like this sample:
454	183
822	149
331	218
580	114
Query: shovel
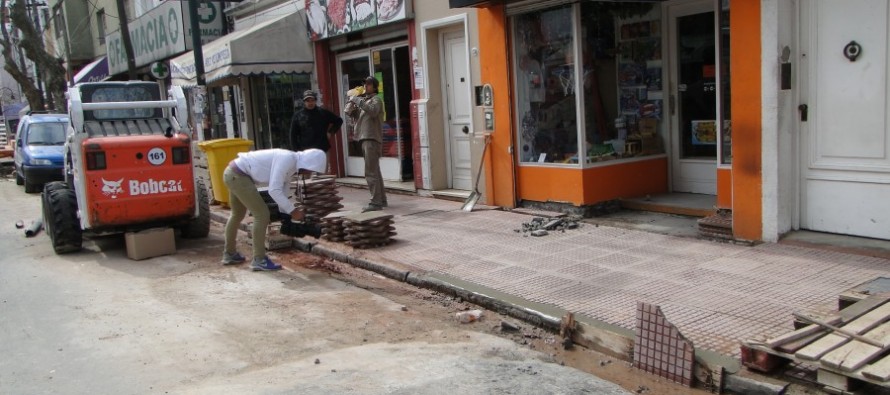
474	196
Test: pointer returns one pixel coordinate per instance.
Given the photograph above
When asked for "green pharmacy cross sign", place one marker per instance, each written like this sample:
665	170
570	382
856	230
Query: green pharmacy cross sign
207	12
160	70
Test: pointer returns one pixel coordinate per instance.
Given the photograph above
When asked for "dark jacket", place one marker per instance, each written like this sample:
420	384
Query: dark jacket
310	128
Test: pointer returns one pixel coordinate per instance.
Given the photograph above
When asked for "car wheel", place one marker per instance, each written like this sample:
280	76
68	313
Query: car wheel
31	187
18	178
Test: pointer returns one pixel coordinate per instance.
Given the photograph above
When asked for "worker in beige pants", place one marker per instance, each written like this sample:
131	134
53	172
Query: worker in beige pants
272	167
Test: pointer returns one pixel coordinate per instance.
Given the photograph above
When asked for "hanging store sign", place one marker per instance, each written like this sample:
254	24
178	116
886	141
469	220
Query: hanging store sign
162	33
329	18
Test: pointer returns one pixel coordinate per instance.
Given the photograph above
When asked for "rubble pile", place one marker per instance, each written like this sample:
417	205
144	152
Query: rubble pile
318	196
540	226
367	230
332	226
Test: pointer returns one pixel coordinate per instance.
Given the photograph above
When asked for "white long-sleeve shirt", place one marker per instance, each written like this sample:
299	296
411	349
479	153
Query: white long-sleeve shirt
276	167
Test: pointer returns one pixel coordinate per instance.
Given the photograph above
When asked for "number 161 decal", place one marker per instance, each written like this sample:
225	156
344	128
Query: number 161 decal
157	156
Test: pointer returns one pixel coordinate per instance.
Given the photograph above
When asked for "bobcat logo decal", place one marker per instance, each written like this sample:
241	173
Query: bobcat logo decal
112	188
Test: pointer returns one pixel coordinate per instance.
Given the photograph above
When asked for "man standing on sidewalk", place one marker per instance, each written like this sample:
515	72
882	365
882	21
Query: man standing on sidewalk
275	168
369	132
313	126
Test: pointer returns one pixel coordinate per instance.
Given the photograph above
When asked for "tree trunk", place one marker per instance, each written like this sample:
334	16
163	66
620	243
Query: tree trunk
16	70
32	44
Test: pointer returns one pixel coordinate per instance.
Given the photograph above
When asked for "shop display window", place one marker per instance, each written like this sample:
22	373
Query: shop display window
616	82
545	86
282	94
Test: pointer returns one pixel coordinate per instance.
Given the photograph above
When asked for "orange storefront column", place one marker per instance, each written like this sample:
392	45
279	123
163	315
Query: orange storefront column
495	70
745	55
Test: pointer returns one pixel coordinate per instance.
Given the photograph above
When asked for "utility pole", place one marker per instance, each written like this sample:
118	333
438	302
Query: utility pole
200	91
196	41
125	38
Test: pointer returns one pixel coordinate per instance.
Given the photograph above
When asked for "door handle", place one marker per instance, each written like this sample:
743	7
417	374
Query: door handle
465	129
804	111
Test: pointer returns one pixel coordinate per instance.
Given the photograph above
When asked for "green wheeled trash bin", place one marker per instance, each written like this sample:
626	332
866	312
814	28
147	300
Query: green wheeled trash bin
219	153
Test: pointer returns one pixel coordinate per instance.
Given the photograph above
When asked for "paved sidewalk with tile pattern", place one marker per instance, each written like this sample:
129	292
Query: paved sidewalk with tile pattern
717	294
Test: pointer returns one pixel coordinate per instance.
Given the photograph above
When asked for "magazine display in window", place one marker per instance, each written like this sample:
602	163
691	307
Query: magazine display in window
640	83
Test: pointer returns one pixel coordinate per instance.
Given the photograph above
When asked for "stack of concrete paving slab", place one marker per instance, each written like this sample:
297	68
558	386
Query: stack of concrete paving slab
318	196
368	230
332	226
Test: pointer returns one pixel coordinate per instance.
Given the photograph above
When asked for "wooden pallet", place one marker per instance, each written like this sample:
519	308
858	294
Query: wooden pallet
850	344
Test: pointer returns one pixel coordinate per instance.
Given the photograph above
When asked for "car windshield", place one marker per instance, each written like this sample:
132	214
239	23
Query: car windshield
46	133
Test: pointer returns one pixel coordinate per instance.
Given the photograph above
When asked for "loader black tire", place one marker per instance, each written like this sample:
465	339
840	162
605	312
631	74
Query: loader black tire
60	218
54	185
199	227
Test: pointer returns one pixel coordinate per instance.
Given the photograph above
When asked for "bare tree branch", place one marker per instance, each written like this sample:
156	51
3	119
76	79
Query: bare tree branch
12	66
50	66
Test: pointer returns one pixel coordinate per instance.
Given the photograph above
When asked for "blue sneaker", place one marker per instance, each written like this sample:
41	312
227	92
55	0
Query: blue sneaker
264	264
233	258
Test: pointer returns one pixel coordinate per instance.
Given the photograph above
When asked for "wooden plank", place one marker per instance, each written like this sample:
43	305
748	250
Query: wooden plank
879	370
846	315
792	347
831	341
806	331
856	354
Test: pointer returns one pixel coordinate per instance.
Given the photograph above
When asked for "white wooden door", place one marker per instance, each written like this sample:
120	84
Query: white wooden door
457	80
844	141
694	91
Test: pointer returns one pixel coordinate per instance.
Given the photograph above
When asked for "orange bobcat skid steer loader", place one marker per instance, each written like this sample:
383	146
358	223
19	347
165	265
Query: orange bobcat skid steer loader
127	164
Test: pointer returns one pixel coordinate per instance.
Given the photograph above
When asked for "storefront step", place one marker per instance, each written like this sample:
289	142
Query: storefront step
457	195
689	204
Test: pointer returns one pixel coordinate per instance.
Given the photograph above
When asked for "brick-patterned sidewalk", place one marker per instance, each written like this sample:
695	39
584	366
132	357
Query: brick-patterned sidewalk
717	294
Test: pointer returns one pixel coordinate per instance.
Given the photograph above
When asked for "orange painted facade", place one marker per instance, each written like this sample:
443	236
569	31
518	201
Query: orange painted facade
747	208
494	58
593	185
738	188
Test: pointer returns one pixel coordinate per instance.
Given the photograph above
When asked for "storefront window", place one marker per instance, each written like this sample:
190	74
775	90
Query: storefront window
618	73
545	86
276	101
625	100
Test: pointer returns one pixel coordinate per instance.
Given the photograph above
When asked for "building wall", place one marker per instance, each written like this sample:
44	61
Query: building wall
500	177
787	173
431	20
80	34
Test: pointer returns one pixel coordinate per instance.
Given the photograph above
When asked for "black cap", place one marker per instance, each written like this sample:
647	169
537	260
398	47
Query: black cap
309	94
373	81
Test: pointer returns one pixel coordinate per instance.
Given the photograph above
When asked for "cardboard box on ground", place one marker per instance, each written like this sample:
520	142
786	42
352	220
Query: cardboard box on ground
150	243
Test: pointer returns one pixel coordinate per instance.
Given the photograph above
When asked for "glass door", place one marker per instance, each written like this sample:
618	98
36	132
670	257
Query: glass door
694	93
388	65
